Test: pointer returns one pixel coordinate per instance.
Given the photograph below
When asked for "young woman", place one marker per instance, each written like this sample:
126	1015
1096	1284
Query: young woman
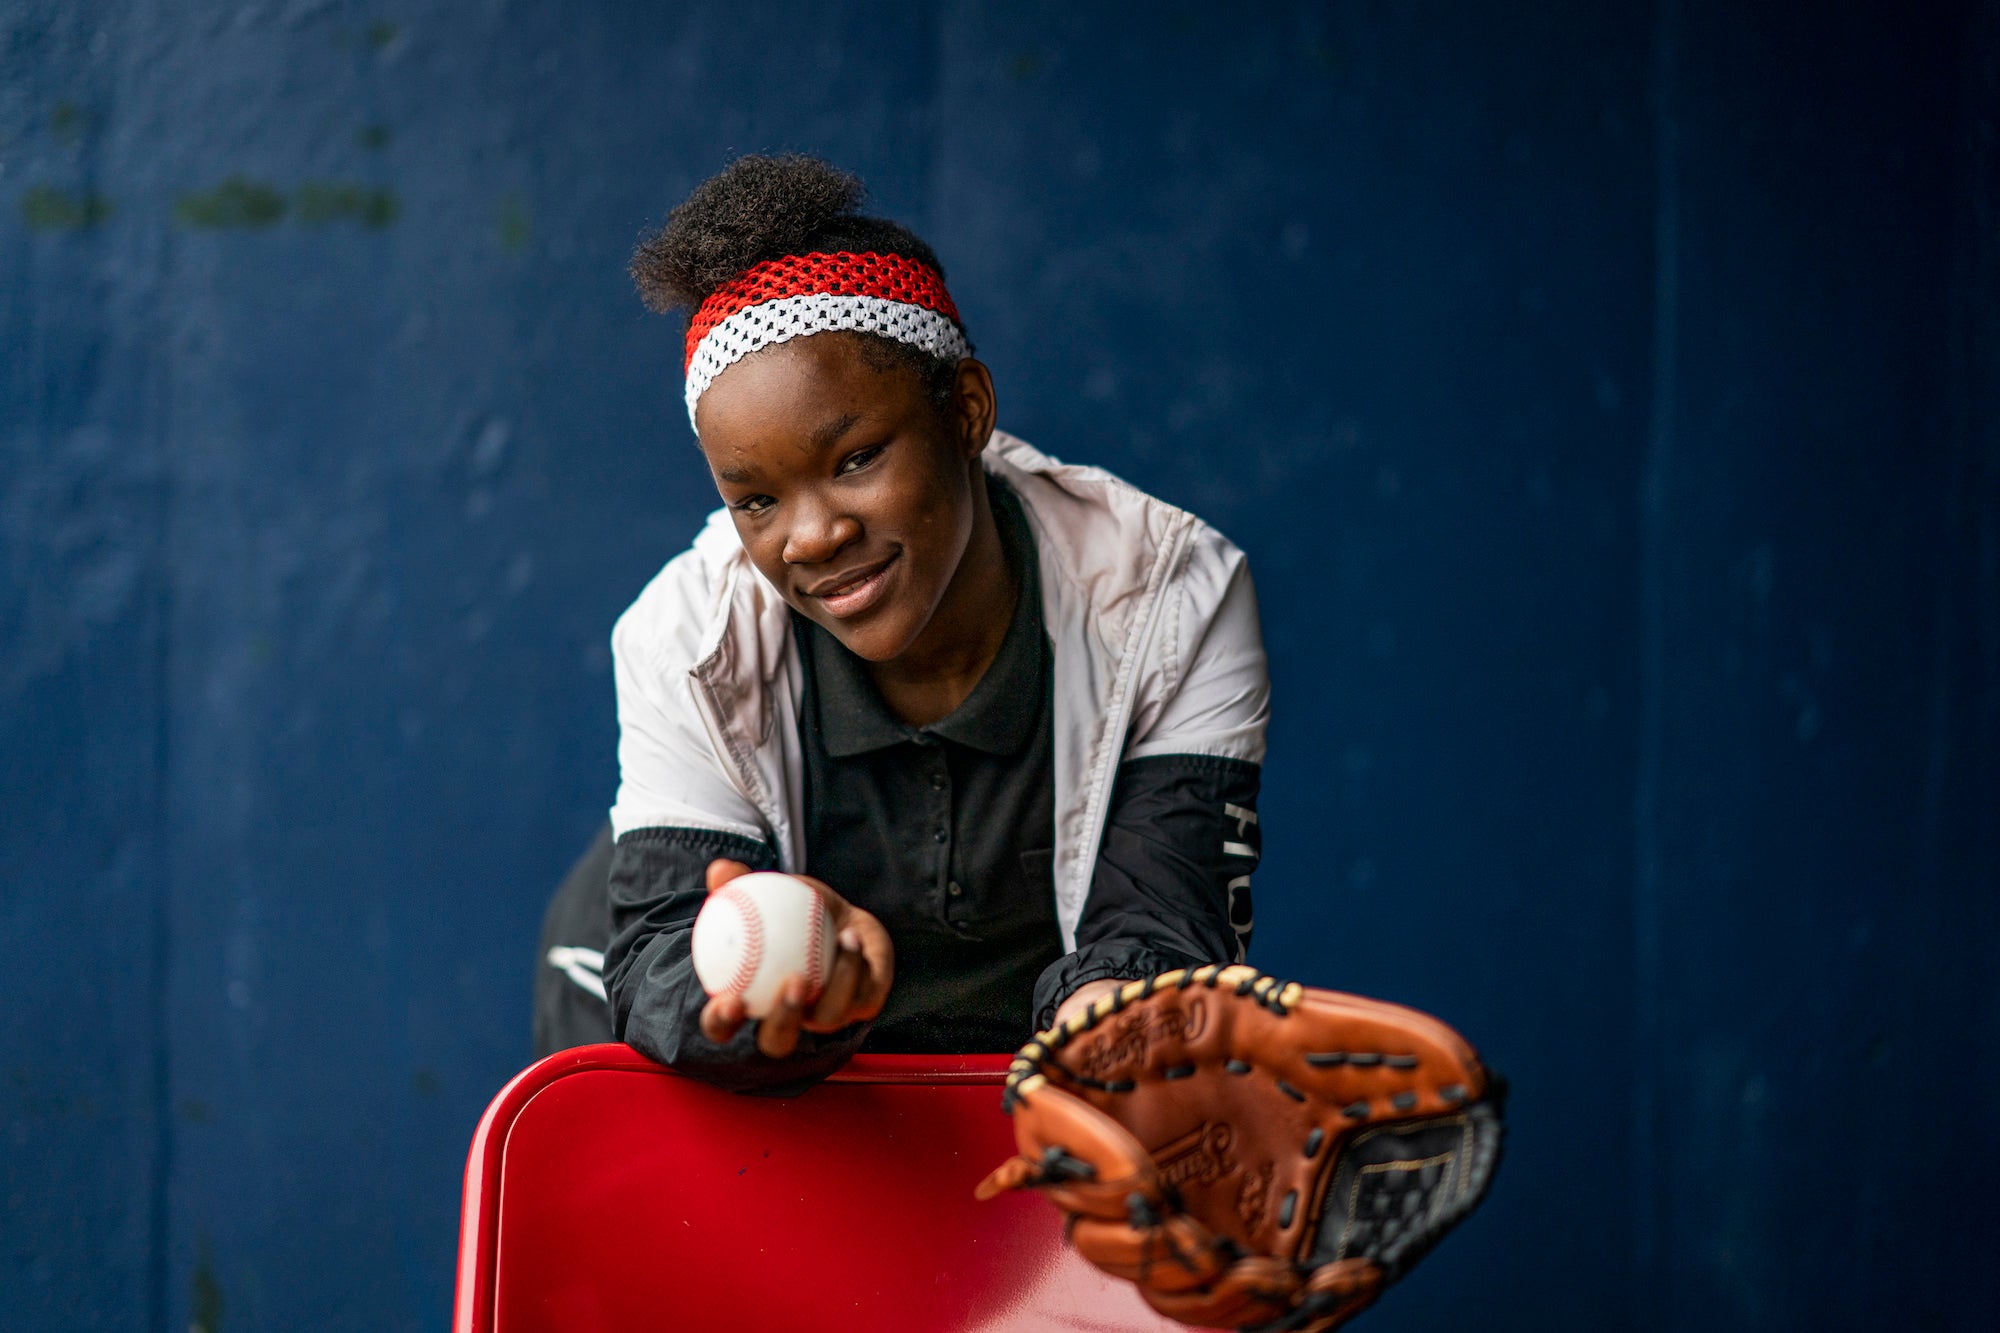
1007	713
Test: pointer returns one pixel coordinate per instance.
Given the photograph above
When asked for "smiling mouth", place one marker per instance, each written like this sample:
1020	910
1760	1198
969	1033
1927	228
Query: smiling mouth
857	594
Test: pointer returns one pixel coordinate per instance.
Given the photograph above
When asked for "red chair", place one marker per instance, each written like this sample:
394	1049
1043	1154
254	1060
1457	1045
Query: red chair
605	1192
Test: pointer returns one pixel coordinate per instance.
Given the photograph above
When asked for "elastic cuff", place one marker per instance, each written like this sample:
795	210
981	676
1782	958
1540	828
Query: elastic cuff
1127	962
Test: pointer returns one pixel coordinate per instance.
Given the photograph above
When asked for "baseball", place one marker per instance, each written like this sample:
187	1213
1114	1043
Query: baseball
758	929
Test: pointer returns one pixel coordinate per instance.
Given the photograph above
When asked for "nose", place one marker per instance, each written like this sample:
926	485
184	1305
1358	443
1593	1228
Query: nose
818	533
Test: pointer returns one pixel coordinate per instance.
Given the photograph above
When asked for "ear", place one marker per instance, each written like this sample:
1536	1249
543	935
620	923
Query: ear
973	408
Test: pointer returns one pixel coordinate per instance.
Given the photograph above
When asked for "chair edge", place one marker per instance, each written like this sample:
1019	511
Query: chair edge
479	1212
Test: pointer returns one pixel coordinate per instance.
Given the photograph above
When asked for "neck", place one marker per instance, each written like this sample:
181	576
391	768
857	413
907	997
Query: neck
936	673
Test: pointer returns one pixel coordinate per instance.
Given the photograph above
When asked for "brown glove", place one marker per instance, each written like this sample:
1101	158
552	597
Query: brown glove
1251	1152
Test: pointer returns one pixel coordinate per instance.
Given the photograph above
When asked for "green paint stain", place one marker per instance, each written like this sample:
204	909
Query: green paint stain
196	1111
426	1083
69	123
1025	65
514	227
374	138
44	208
236	203
379	37
321	202
1327	56
204	1294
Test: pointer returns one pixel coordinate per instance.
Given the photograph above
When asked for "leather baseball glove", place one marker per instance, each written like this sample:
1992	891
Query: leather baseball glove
1252	1153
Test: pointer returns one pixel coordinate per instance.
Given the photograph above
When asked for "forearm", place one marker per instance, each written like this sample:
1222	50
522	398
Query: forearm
1171	884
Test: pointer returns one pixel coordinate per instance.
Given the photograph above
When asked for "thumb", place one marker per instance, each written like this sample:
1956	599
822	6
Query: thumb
722	870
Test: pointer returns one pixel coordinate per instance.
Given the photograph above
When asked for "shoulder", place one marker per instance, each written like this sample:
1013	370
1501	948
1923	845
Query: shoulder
1130	561
1106	533
677	617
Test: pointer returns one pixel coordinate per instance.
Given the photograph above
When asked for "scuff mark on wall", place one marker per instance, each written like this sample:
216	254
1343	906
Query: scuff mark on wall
204	1294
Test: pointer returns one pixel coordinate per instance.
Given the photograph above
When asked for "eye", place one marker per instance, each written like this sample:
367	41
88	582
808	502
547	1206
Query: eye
859	459
752	504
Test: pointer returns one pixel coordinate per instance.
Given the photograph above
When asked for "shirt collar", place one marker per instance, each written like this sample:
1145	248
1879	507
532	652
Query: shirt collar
998	717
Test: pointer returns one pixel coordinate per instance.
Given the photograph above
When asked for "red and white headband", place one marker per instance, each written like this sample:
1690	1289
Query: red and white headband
797	295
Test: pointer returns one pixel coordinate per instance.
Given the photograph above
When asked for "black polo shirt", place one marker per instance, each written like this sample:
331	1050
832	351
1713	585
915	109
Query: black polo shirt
944	831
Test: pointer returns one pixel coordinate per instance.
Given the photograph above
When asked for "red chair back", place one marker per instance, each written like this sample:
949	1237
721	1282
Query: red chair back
605	1192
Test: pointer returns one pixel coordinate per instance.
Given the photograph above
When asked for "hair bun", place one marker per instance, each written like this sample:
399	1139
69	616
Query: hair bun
756	208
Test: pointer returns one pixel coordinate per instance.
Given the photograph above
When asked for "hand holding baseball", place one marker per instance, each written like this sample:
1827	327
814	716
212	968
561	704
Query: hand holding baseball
856	985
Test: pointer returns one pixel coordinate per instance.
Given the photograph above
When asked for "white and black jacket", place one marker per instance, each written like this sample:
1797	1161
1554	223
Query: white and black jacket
1160	700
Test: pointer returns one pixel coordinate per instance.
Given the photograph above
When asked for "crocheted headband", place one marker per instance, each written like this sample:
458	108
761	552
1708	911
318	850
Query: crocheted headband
797	295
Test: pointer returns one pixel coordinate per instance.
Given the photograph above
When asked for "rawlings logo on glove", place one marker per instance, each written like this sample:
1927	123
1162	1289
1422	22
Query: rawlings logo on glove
1252	1153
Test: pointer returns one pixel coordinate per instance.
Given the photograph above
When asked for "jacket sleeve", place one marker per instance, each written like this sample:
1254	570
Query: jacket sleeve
658	882
1207	686
1172	883
669	774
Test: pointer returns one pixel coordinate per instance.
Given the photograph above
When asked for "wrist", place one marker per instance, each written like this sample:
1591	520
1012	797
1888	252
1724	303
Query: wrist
1083	997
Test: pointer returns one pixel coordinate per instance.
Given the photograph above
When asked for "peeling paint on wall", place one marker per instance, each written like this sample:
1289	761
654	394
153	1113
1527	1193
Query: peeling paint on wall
45	208
204	1294
237	203
513	228
242	204
321	202
70	124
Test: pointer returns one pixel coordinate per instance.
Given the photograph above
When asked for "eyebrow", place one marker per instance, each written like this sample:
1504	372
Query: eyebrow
831	432
825	436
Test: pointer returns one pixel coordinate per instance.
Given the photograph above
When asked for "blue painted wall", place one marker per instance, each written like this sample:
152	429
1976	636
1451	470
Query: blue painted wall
1608	397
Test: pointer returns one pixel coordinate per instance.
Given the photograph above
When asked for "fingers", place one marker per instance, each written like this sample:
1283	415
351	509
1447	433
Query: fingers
867	937
778	1031
722	1016
829	1014
864	965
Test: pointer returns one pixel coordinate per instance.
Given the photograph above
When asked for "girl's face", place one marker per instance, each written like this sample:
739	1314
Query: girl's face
853	495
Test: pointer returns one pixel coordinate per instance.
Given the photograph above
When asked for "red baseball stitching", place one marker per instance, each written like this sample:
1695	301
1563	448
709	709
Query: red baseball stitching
753	939
816	943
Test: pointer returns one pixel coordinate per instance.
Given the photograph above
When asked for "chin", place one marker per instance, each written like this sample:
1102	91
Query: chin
883	639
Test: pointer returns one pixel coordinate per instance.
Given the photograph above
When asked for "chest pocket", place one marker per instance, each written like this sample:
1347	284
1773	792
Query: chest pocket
1016	908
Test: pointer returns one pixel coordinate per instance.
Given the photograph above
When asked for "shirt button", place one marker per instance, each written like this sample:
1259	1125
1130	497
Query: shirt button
937	782
940	835
953	889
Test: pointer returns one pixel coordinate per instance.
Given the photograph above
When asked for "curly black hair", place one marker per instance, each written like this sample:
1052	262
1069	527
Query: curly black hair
760	208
